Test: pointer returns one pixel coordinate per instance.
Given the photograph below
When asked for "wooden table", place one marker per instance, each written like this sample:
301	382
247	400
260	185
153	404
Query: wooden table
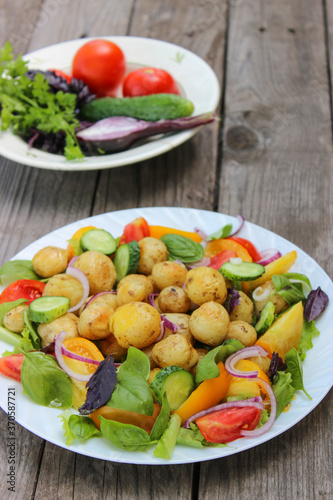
270	158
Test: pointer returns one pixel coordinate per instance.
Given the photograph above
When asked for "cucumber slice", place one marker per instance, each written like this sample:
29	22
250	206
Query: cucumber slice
176	382
46	309
99	240
266	318
246	271
126	260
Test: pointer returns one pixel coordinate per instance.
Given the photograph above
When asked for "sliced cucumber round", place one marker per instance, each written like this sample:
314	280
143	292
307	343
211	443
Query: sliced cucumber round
176	382
246	271
99	240
266	318
126	259
46	309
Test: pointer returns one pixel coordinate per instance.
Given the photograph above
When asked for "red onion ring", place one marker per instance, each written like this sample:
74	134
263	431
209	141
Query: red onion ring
247	352
72	355
113	292
79	275
200	233
58	344
72	261
268	256
205	261
242	221
267	425
151	298
254	402
161	335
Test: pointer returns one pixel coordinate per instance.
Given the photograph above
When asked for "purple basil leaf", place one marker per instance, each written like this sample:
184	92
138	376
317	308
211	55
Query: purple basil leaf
120	132
100	386
277	364
232	300
315	304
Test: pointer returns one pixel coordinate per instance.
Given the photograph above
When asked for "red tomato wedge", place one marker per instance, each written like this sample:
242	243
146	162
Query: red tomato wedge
253	251
11	366
135	230
222	257
226	425
22	289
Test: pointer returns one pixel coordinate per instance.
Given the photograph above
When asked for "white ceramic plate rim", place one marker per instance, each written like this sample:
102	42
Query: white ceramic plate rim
196	78
318	376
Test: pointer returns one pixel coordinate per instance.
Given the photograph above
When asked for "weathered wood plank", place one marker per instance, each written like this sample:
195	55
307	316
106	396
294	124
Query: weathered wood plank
276	170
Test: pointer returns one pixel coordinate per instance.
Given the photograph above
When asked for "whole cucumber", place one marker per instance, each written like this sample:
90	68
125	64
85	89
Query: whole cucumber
152	107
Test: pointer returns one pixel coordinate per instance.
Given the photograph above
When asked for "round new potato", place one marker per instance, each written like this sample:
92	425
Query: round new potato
148	352
49	261
152	251
111	346
13	319
175	350
205	284
94	321
136	324
134	288
168	273
244	310
99	270
210	323
64	285
182	322
173	299
242	331
267	291
67	323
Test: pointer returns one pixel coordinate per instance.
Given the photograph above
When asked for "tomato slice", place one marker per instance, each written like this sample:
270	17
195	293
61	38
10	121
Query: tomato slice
222	257
22	289
135	230
145	422
253	251
217	246
226	425
82	347
11	366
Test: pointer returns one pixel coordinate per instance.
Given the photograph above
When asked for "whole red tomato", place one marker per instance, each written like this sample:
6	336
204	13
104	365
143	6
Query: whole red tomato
101	65
145	81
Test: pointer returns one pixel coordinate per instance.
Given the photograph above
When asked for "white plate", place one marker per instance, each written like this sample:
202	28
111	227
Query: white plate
318	368
195	77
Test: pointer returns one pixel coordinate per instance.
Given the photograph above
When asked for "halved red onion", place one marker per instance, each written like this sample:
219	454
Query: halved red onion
72	261
58	345
268	256
79	275
172	326
205	261
112	292
242	221
247	352
72	355
267	425
253	402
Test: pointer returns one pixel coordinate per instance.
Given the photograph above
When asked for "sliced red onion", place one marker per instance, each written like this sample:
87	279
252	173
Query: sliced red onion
113	292
268	256
247	352
151	298
72	261
58	345
72	355
161	335
259	295
242	221
200	233
267	425
79	275
205	261
253	402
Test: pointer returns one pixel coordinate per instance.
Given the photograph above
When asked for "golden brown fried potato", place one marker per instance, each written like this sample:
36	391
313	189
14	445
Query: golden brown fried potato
13	319
182	321
204	284
94	321
49	261
136	324
67	323
267	290
175	350
111	346
99	270
168	273
133	288
209	323
242	331
173	299
152	251
244	310
64	285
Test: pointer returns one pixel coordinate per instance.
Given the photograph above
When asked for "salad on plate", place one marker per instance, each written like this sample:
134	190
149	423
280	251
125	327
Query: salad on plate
159	337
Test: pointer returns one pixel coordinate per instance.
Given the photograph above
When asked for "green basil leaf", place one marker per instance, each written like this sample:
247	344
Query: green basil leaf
182	248
298	277
167	442
224	232
136	362
207	366
14	270
283	390
82	427
44	382
294	367
132	393
162	420
126	436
